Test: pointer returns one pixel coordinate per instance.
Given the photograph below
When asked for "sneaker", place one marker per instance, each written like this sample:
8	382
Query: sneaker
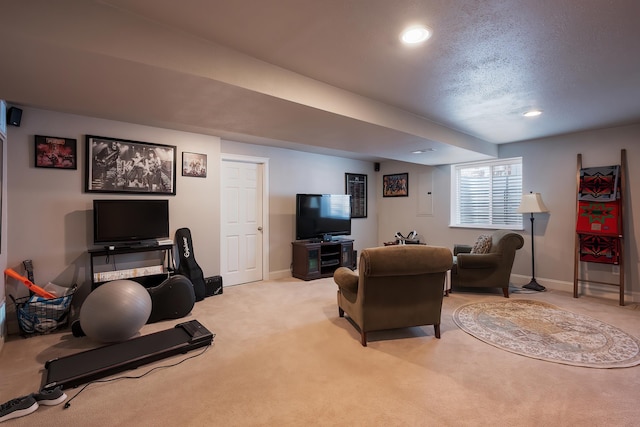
17	408
50	397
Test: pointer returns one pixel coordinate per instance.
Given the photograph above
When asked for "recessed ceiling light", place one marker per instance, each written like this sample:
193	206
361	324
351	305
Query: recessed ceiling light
426	150
532	113
417	34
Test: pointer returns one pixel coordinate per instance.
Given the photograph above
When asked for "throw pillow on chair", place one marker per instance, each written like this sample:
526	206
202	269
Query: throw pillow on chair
482	245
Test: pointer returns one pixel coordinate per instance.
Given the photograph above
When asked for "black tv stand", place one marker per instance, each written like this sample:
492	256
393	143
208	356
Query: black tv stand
145	245
314	259
166	250
135	245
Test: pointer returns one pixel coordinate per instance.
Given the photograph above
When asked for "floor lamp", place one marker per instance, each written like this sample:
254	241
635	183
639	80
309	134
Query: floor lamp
532	203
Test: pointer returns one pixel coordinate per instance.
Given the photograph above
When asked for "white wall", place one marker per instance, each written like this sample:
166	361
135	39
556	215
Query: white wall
550	168
293	172
49	213
50	216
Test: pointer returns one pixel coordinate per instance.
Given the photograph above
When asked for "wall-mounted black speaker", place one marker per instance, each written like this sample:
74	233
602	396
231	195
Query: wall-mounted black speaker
376	167
14	115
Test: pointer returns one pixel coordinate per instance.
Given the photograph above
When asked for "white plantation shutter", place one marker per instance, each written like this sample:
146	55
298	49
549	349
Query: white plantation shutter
487	194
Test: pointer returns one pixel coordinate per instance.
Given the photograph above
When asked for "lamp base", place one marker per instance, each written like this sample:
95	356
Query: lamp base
535	286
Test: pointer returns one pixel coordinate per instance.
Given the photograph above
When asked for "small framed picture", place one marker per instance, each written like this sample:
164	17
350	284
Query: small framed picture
395	185
194	164
54	152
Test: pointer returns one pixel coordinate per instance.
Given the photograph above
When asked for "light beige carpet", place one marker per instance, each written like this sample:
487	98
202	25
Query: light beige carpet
283	357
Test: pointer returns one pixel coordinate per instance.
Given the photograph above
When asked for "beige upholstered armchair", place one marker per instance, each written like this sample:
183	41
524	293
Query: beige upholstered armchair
489	266
395	287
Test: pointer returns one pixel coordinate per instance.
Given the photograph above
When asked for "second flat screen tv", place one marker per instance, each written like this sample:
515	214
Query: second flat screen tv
130	221
320	216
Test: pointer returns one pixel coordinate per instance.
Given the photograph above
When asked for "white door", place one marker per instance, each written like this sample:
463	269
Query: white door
242	209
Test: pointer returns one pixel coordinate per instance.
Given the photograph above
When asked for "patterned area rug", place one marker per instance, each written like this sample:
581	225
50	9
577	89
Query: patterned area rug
542	331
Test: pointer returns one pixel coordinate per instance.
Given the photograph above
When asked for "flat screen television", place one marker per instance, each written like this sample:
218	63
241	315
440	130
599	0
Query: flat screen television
130	221
321	216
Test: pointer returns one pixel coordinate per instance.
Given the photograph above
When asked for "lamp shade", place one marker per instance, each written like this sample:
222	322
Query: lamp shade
532	203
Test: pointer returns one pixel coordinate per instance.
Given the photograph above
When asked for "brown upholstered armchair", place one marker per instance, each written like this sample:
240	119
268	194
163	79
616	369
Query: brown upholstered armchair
486	270
395	287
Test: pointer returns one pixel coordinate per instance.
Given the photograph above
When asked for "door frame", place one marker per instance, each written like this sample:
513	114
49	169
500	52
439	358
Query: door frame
263	162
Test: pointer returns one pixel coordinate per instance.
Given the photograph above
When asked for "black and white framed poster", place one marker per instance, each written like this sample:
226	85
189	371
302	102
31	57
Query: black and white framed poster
356	187
123	166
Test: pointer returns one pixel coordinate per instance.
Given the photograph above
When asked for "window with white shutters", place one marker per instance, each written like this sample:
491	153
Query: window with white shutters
487	194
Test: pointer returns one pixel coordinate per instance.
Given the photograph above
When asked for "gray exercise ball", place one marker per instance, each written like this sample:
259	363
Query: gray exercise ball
115	311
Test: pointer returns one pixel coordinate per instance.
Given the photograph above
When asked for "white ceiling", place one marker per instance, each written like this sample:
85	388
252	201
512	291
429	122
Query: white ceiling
331	76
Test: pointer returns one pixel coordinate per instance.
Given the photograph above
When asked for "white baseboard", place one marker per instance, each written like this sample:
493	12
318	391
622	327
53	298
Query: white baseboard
588	289
281	274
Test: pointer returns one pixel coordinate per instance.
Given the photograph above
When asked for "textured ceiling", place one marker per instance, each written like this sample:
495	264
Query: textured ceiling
331	76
